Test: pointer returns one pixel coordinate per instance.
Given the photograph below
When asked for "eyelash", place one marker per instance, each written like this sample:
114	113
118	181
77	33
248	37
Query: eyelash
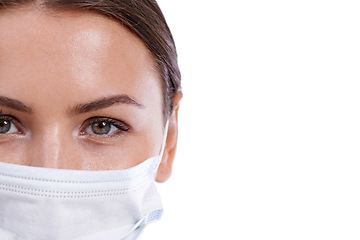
120	125
12	120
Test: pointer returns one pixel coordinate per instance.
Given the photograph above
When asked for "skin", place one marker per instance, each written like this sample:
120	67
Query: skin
56	62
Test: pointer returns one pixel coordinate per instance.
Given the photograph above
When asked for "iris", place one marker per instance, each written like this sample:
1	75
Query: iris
101	128
4	126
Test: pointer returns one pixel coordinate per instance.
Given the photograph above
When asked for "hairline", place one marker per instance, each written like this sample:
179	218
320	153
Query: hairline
52	9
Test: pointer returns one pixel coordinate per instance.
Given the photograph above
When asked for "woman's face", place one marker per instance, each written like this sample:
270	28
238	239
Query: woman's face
77	91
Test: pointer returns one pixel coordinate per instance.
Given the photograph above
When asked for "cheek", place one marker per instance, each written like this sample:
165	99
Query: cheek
82	154
13	152
121	155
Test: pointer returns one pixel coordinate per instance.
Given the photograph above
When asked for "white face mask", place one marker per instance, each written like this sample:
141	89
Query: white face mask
55	204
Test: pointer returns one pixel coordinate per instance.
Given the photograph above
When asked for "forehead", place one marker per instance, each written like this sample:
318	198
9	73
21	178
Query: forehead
86	51
66	33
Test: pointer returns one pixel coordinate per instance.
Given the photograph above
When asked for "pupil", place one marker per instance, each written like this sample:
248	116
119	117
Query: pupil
101	128
4	126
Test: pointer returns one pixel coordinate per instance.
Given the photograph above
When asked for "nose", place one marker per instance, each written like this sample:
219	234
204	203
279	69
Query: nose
51	148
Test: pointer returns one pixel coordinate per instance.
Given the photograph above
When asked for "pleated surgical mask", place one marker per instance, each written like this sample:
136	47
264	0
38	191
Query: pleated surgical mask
56	204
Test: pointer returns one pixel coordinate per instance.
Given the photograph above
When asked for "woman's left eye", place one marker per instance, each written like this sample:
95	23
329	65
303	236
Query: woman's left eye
7	126
105	127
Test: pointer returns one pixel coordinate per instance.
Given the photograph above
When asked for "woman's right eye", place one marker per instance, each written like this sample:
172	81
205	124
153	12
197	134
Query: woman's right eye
7	126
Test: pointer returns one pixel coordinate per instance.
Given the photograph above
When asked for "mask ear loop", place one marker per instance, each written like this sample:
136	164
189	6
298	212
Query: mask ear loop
164	140
160	156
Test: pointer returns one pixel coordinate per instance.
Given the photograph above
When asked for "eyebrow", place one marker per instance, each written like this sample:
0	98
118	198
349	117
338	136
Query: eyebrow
104	103
14	104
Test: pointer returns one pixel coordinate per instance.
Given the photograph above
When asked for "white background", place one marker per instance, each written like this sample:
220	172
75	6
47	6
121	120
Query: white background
270	121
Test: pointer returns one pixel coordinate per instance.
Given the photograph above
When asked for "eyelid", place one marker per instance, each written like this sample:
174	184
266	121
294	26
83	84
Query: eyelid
14	121
121	125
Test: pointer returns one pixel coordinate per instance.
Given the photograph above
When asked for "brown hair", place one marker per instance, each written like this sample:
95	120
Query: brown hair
145	19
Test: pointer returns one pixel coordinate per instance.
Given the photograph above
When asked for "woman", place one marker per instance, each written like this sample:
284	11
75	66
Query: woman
89	92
